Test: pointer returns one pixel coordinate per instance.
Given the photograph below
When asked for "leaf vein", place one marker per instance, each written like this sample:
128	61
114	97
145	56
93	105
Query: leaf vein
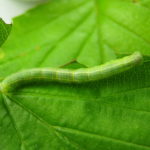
81	132
13	122
128	29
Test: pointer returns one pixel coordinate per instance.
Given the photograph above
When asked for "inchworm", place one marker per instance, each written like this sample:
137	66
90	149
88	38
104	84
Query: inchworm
71	76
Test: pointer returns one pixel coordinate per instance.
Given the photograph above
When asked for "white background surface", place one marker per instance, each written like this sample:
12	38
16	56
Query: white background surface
12	8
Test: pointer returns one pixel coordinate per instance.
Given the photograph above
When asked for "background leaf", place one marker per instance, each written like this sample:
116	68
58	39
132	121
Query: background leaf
4	31
109	114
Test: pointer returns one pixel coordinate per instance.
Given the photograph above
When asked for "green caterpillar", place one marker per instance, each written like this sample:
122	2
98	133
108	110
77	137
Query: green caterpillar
71	76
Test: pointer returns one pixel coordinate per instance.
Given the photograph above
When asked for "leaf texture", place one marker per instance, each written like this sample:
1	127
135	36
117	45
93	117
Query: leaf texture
111	114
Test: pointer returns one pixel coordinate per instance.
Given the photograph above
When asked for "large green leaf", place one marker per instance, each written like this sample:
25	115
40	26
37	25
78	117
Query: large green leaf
88	31
110	114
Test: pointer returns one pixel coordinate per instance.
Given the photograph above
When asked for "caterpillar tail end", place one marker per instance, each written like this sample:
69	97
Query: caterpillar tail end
138	58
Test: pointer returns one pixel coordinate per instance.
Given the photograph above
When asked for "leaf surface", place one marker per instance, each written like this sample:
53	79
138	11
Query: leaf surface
110	114
90	32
